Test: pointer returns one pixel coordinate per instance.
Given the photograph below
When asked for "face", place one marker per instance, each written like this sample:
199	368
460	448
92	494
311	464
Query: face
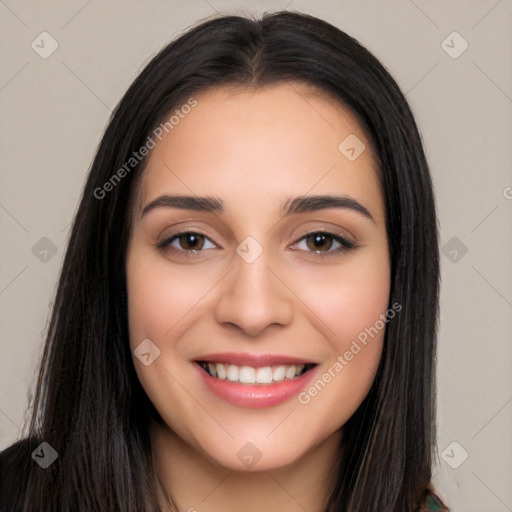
258	274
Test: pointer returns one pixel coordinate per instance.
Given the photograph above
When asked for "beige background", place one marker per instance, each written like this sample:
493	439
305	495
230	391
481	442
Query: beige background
54	109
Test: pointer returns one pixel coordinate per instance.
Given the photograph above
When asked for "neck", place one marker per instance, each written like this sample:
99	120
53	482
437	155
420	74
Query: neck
198	484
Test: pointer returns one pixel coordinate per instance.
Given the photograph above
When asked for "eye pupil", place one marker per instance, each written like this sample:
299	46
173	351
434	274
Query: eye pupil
319	241
190	241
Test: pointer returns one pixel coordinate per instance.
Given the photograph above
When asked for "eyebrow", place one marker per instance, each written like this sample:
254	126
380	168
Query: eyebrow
300	204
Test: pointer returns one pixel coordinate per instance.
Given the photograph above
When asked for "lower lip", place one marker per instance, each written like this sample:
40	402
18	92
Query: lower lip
257	396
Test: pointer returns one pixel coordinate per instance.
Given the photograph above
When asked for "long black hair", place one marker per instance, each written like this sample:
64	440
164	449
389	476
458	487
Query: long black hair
89	405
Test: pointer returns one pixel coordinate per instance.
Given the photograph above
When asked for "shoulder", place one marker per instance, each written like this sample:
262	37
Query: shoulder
16	466
431	502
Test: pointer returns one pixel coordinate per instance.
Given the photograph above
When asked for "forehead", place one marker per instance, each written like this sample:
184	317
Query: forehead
260	144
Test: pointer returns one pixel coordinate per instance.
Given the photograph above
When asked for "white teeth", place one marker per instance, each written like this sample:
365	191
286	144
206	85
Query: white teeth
290	371
232	373
264	375
221	371
247	375
279	373
250	375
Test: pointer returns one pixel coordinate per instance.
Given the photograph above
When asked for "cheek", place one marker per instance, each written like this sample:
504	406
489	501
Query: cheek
162	302
161	297
350	303
356	308
349	298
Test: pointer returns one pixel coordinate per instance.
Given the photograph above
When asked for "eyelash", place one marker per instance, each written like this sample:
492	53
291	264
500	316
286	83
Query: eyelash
345	245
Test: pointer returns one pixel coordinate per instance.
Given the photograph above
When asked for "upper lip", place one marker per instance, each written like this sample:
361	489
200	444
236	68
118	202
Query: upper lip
254	360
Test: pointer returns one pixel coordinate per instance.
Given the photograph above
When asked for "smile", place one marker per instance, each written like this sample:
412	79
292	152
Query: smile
254	381
254	375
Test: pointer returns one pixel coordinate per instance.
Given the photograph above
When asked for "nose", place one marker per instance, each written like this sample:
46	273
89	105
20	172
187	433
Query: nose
254	298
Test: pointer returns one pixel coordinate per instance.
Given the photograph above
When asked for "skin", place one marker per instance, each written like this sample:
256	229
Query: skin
254	149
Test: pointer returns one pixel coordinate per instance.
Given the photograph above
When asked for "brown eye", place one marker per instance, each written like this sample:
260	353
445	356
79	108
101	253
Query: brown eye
191	241
324	244
319	241
186	243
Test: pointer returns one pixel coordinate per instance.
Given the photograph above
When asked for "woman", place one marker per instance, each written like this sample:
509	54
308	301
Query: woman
246	315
